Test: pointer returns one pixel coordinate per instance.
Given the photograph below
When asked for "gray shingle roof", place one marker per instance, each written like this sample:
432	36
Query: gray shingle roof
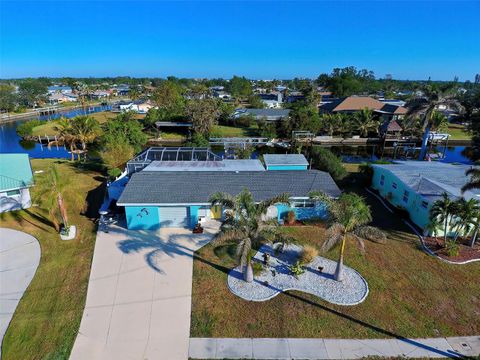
431	179
147	187
285	159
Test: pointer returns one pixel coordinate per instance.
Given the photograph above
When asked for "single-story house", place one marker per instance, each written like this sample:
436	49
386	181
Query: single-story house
263	114
415	186
57	98
59	89
352	104
154	199
15	179
285	162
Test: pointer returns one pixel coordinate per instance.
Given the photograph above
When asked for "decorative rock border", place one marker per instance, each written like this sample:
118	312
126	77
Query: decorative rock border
276	278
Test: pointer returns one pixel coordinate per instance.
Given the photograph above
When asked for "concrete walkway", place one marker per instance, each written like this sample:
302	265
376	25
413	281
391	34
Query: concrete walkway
139	295
204	348
19	259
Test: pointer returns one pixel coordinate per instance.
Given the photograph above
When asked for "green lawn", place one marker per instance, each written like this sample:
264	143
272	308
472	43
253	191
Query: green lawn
48	316
458	132
411	293
231	131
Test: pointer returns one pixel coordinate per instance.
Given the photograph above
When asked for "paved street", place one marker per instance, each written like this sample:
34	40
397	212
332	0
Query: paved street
19	259
139	295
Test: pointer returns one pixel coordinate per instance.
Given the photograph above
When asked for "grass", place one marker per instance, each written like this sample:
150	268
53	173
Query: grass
458	132
231	131
48	316
48	128
411	294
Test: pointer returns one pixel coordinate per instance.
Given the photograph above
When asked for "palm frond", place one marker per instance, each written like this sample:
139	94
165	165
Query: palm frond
222	198
227	235
360	242
371	233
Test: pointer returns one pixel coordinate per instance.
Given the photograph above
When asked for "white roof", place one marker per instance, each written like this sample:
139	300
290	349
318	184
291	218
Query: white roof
285	159
223	165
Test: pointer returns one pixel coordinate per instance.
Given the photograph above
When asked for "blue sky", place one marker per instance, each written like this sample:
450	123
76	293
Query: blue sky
263	39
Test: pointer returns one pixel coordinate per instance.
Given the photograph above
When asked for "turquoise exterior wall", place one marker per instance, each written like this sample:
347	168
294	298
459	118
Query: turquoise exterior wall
319	211
148	219
287	167
418	213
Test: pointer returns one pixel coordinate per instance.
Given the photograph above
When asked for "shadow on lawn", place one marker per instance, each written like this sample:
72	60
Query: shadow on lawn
451	354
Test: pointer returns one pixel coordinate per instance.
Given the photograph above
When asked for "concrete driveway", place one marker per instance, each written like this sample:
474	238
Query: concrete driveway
139	294
19	259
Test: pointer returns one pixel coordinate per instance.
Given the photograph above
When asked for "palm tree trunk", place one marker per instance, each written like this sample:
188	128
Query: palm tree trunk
63	210
248	272
474	237
445	230
339	270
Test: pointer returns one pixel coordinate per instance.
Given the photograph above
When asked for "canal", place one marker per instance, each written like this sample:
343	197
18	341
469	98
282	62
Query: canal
10	142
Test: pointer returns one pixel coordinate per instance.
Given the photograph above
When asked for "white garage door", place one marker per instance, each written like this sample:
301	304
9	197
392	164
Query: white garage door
173	216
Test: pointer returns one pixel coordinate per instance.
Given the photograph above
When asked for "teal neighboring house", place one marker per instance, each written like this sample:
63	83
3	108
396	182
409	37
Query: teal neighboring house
416	185
15	179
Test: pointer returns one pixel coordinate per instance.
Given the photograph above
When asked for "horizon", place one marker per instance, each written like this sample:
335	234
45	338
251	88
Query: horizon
262	40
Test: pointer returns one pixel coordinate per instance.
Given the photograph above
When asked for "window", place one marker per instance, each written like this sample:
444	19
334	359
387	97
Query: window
424	204
302	204
394	185
382	180
405	196
13	192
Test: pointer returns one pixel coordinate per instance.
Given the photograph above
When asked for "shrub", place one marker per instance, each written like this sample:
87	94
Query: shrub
291	217
26	128
308	254
452	248
114	173
257	268
244	121
371	233
296	269
324	159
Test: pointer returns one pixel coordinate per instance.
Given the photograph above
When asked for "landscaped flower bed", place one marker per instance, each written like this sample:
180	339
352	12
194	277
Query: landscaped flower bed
465	251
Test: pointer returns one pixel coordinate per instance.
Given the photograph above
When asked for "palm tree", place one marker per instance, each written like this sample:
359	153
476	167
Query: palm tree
68	135
434	96
474	181
349	214
443	211
468	213
246	223
86	129
365	122
51	187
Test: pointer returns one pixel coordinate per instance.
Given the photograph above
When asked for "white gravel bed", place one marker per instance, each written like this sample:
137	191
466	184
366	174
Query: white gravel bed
276	278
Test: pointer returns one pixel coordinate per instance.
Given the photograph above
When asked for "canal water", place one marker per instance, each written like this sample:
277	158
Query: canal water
10	142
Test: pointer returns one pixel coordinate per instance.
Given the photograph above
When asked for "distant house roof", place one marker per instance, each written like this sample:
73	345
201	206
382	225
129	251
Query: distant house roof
15	172
269	114
357	103
284	159
219	165
147	187
390	126
431	179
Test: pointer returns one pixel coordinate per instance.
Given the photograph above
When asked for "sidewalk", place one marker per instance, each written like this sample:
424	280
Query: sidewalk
223	348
